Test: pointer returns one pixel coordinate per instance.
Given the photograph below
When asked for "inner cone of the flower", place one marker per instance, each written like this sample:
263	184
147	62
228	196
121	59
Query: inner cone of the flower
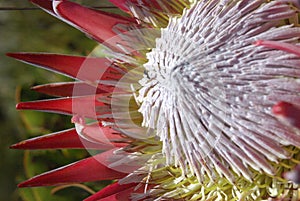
209	89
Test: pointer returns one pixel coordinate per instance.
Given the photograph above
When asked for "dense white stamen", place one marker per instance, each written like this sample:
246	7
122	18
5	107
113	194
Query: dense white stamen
209	89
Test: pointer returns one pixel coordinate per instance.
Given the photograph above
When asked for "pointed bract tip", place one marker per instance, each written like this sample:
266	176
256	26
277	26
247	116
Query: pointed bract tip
281	108
19	106
11	54
19	55
45	4
14	146
23	106
21	145
22	185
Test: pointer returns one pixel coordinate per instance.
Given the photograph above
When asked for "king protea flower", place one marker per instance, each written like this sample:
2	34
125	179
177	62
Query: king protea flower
196	100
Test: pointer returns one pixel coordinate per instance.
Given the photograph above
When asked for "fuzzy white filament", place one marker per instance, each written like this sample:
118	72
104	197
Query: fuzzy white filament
209	89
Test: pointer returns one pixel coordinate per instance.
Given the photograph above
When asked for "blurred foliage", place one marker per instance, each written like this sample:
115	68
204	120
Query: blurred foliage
34	31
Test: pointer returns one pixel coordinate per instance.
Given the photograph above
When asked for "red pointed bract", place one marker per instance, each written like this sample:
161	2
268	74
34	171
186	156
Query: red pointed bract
67	139
110	191
82	68
87	106
89	169
65	89
98	24
61	140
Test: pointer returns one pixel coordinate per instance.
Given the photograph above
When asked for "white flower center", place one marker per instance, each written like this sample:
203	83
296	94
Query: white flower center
208	90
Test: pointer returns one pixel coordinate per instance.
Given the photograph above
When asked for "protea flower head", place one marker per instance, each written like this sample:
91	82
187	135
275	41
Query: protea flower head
196	100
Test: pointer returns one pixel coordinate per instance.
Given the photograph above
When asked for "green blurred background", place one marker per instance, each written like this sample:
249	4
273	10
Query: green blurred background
34	31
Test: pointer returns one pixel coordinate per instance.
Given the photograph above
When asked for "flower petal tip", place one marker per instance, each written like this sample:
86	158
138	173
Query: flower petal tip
28	184
279	108
25	106
14	146
45	4
13	55
23	185
20	145
19	106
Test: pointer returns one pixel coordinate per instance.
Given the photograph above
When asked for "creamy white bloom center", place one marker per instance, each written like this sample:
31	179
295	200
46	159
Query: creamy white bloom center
208	89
